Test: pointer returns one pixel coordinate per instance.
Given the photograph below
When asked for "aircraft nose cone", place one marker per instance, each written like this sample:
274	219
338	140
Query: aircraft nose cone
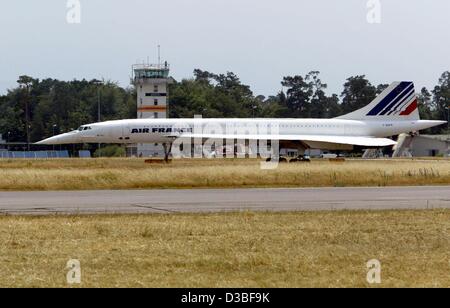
48	141
60	139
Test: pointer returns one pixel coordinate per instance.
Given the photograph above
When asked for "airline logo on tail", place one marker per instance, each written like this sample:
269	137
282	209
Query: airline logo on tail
401	101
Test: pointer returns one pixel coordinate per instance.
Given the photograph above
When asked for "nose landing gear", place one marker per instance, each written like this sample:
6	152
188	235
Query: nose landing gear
167	151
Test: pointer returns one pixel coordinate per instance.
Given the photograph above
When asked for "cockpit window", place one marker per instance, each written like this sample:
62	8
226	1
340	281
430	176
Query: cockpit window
82	128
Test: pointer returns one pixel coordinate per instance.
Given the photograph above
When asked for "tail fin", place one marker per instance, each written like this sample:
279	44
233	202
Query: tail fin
397	102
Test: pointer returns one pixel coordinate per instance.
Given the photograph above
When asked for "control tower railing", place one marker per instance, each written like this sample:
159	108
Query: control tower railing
161	66
142	72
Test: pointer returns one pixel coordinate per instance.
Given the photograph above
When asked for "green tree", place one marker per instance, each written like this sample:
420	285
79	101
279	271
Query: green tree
212	95
110	151
441	98
306	97
322	106
424	99
299	95
358	92
49	106
274	107
382	87
426	107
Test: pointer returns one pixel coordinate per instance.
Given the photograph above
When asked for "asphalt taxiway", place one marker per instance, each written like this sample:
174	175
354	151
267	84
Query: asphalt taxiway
223	200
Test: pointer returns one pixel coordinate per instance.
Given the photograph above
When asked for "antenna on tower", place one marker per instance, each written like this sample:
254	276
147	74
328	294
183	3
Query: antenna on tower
159	55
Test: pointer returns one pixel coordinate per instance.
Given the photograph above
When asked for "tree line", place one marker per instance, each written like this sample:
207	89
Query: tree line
37	109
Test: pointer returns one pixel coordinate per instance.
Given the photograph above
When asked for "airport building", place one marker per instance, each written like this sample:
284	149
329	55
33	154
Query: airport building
422	146
431	146
152	86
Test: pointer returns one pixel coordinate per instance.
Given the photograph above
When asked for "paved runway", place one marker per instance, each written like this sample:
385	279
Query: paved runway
222	200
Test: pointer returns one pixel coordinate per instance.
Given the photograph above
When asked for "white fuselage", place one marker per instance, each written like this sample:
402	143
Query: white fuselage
164	130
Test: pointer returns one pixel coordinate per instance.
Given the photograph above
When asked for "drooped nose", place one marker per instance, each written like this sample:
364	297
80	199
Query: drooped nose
68	138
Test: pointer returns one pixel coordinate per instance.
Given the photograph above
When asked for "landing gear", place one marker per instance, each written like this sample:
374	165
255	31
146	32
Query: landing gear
282	160
167	151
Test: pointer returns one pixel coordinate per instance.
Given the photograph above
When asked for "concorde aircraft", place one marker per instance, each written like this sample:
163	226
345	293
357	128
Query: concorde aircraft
393	112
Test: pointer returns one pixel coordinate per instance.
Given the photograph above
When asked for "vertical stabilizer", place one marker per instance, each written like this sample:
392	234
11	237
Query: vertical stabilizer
397	102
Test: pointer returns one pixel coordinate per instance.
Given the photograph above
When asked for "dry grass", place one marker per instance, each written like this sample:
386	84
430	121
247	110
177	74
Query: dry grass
324	249
135	174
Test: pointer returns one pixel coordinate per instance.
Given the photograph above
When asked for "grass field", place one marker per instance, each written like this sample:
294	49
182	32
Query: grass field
78	174
326	249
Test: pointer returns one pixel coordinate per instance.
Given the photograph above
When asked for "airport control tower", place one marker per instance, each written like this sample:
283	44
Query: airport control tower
152	86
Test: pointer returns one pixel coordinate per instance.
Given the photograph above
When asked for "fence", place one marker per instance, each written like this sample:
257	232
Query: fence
35	155
84	154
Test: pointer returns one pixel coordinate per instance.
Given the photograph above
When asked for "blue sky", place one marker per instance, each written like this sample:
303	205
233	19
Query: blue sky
259	40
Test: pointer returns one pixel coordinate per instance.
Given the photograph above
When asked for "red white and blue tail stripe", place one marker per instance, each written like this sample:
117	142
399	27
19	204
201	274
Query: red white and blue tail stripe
398	101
